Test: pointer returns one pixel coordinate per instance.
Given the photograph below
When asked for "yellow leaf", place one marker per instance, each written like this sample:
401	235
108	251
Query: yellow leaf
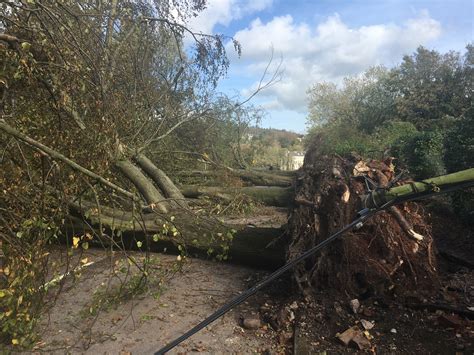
2	294
84	261
15	341
75	241
26	45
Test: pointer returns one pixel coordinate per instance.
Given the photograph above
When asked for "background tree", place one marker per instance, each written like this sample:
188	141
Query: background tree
419	111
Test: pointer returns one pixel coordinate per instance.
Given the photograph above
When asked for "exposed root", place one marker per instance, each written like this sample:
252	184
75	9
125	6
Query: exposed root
392	252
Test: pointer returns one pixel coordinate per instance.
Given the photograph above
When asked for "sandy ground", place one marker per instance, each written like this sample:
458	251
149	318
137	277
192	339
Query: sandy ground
145	323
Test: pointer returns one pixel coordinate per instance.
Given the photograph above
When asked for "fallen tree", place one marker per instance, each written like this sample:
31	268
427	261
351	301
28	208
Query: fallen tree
392	252
268	195
165	222
249	177
199	235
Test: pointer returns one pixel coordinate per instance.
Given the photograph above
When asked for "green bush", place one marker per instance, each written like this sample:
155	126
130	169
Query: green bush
459	155
341	139
423	154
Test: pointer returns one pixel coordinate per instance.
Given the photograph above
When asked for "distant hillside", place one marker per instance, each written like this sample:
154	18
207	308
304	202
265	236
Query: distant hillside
285	139
271	147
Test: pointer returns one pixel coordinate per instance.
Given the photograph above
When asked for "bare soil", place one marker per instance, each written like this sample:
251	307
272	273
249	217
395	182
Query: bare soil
147	322
289	323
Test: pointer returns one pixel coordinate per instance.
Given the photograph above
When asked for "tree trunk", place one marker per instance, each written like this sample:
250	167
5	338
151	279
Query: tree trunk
146	188
162	181
444	183
271	196
253	177
199	235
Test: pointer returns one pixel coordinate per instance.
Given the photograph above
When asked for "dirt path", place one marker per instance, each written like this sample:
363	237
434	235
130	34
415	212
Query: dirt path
145	323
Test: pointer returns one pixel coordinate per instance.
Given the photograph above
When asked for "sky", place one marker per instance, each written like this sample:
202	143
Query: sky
325	40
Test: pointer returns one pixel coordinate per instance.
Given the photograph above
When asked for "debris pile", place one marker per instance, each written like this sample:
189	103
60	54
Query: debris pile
392	253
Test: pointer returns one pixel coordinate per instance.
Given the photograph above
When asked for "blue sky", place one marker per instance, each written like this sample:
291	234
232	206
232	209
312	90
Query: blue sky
325	40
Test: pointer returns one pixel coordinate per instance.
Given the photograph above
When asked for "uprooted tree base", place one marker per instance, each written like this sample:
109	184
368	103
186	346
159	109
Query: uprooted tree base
392	252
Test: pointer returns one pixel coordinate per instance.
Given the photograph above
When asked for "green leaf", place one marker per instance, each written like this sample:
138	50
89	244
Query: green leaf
139	244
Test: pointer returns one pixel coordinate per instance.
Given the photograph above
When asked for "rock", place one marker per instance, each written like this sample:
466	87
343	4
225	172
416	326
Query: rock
355	305
450	320
294	306
251	323
368	325
393	330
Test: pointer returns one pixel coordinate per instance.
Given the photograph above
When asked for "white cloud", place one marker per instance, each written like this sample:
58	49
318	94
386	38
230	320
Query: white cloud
223	12
326	52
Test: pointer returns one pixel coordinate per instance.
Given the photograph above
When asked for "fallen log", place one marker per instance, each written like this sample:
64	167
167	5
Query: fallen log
199	235
146	188
271	196
252	177
162	181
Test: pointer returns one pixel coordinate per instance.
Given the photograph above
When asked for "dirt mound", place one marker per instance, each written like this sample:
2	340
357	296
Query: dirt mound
392	252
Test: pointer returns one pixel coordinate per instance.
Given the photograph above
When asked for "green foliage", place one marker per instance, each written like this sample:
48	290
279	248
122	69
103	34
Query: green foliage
423	154
430	87
271	147
344	139
460	143
362	101
459	156
394	133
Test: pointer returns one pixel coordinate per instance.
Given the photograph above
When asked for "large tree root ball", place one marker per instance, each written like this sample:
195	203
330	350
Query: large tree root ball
392	252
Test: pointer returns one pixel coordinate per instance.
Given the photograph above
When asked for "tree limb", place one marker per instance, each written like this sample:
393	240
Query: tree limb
58	156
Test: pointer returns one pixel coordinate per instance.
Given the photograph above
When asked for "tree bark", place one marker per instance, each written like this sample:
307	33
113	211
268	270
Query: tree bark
271	196
200	235
440	184
254	177
146	188
162	181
